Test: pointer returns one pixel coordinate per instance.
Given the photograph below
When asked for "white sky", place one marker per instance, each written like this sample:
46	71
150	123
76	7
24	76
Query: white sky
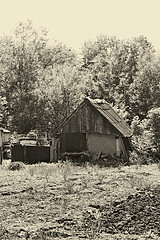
75	21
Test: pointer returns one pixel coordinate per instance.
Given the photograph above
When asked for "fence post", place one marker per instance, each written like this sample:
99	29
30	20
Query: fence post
1	155
25	150
51	150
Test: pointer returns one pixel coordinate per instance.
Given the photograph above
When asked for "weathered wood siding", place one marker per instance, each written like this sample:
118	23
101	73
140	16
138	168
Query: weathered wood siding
87	119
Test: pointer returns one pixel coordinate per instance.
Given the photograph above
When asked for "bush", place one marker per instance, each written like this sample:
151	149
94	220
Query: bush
16	166
146	135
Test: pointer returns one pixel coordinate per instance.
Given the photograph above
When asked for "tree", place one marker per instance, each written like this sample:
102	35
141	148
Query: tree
115	66
62	88
146	136
25	60
144	92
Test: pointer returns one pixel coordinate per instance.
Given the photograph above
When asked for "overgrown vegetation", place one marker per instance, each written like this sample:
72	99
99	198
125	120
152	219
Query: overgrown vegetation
63	200
52	80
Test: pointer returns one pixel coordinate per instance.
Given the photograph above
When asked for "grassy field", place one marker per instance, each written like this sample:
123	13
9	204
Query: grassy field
65	201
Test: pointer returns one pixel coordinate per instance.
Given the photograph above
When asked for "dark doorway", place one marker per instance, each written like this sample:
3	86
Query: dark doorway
72	142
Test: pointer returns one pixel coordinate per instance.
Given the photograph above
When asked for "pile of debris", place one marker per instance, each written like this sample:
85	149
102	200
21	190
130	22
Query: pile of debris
107	160
138	214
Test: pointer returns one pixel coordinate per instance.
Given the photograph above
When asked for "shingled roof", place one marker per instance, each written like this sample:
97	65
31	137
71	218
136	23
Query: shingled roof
105	109
109	113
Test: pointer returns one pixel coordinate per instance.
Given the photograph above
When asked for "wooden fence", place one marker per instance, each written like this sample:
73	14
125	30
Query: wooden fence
30	154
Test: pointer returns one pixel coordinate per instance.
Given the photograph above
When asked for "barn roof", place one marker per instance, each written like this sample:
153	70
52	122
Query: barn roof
107	112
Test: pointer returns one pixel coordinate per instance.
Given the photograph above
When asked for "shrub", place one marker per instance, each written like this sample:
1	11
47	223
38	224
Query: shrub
139	158
146	135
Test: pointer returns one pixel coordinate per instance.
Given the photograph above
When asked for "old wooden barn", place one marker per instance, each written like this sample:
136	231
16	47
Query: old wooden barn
93	128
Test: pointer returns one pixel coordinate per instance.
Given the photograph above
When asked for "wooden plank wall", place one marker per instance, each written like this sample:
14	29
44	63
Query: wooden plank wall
87	119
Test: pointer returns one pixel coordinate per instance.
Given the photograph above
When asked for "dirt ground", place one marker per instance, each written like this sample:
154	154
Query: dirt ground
65	201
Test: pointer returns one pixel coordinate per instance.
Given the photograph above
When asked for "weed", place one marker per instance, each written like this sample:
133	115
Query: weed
84	182
47	175
119	166
138	162
100	177
98	220
140	183
31	170
45	171
89	168
66	170
96	225
69	186
64	204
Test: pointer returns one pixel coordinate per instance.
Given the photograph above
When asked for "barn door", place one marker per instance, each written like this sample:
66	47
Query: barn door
72	142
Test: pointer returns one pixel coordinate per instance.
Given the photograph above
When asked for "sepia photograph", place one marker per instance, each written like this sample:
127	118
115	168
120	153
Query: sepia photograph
79	120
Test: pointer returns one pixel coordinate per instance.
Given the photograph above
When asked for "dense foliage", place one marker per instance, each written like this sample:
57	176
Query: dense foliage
42	82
